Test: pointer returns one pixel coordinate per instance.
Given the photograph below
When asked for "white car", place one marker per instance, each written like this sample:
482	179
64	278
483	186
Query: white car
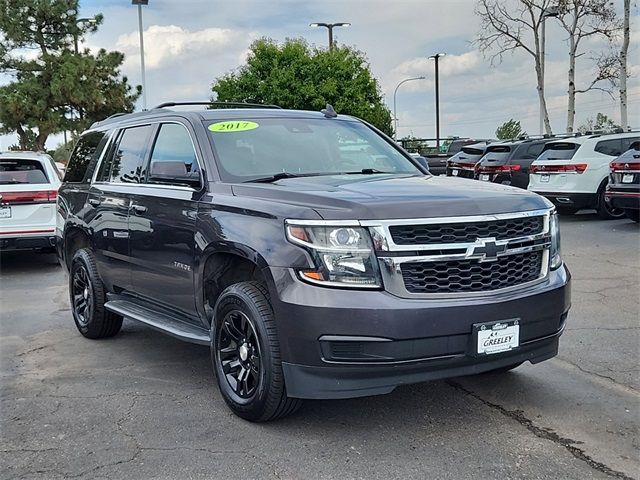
29	185
573	172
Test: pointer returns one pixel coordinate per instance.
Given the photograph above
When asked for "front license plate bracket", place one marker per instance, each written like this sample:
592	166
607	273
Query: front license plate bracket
495	337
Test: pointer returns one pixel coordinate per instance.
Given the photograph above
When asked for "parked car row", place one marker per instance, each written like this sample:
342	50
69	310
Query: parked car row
572	172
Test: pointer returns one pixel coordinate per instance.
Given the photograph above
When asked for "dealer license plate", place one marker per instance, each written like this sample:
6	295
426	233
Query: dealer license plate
5	212
627	178
496	337
454	173
485	177
544	178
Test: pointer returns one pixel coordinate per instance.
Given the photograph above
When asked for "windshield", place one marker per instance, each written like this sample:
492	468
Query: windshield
250	149
558	151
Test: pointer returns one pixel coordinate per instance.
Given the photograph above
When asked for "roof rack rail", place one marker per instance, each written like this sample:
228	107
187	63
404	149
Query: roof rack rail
222	104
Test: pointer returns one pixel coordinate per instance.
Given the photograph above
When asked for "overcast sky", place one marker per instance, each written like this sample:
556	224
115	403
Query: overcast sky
189	43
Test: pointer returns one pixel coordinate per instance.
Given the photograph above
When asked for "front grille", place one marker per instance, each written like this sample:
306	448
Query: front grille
430	234
461	276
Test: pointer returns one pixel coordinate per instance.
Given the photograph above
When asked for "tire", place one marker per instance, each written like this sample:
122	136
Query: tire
87	295
605	210
632	214
565	211
246	355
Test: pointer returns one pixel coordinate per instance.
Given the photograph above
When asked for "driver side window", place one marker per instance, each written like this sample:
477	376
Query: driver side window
173	158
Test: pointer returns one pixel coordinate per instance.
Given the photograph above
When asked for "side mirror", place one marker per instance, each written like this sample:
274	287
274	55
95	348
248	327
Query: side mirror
173	173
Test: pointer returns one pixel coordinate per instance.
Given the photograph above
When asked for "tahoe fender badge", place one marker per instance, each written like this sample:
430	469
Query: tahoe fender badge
182	266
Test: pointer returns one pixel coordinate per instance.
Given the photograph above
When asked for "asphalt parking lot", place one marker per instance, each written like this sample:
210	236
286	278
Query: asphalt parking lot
144	405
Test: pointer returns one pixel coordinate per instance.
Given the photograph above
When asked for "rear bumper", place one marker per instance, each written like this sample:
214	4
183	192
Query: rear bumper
626	198
462	173
341	343
27	242
577	201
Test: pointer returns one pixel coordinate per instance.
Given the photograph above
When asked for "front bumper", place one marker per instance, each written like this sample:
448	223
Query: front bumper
342	344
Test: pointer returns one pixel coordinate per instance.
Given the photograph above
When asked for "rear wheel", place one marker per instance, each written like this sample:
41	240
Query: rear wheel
88	296
246	355
606	211
632	214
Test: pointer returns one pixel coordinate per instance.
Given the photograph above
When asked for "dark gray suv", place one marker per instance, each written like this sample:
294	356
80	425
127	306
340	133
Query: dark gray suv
313	255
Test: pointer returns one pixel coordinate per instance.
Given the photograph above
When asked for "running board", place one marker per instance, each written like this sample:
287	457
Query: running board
159	321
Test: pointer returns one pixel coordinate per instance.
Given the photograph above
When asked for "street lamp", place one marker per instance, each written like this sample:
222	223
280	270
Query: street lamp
330	26
546	13
81	21
436	57
395	116
140	3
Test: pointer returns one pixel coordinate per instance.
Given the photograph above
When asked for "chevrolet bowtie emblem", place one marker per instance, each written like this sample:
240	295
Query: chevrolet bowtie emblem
487	249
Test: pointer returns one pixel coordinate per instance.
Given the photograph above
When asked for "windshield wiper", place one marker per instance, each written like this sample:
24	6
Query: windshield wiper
282	175
366	171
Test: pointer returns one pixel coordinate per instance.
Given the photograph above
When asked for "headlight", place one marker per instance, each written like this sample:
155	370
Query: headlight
554	228
343	255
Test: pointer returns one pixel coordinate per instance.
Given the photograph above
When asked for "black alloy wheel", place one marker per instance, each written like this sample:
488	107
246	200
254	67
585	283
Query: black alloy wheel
82	295
239	354
245	353
87	295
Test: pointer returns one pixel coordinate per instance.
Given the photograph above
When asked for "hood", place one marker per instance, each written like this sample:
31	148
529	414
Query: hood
378	197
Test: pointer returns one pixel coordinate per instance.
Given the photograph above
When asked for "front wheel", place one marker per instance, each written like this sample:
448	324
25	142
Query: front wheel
246	355
632	214
606	211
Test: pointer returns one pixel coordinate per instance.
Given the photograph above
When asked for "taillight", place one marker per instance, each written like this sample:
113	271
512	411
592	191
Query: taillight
45	196
568	168
498	168
624	166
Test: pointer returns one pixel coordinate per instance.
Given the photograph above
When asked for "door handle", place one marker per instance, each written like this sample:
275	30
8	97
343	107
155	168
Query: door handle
139	208
94	201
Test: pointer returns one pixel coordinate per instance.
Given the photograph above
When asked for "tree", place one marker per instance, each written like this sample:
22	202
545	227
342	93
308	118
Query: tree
601	123
509	129
294	75
623	66
48	88
507	26
583	19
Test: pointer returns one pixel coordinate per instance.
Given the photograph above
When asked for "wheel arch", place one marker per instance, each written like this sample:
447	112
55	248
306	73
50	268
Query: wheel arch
74	238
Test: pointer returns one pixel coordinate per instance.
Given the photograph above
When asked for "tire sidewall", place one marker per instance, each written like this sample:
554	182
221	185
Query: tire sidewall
78	262
235	299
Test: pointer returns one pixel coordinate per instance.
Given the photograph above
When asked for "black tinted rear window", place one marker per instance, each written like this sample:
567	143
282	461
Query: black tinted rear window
472	151
559	151
86	149
497	153
22	171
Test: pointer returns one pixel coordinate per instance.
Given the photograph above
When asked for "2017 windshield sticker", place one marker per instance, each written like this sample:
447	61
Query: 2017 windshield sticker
233	126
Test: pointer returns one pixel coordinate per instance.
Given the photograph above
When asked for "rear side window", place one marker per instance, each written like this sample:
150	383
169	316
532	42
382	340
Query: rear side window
124	163
534	150
22	171
559	151
173	154
613	148
85	151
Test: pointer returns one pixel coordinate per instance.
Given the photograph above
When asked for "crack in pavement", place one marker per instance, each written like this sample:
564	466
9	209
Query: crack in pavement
544	433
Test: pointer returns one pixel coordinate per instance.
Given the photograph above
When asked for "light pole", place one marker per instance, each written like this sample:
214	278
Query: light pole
546	13
395	115
436	57
330	26
140	3
81	21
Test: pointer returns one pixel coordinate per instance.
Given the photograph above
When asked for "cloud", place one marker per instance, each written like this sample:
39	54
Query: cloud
166	44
